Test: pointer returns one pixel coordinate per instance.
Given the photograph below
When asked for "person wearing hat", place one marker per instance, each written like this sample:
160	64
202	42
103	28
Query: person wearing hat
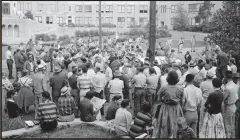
40	85
56	82
30	65
207	88
232	65
230	97
146	66
66	105
191	69
116	85
236	80
84	82
73	63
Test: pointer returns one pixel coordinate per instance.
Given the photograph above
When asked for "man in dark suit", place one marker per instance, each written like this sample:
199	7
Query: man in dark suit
57	82
86	108
222	62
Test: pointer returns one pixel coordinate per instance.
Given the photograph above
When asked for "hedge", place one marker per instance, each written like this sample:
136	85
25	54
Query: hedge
92	33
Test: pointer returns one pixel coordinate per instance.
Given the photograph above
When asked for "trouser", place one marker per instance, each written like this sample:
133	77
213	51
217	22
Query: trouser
67	118
100	95
10	66
193	47
229	122
139	99
55	99
51	64
202	113
237	119
220	72
107	93
38	100
126	94
192	120
150	96
180	48
48	126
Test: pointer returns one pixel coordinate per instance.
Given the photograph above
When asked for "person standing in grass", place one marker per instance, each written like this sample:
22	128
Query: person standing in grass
47	113
180	45
193	43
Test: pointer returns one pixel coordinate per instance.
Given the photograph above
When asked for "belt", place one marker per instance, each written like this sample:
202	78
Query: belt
138	87
84	88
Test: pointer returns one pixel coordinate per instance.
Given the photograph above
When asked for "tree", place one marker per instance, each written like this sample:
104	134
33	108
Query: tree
29	15
204	12
226	27
181	19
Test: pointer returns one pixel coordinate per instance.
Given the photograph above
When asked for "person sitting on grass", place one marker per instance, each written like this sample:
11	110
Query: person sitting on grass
86	108
47	113
142	122
66	105
123	120
13	111
184	131
113	107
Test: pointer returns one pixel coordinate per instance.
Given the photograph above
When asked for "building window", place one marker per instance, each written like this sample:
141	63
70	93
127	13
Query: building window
53	8
88	8
20	6
193	21
28	6
143	20
130	8
4	30
173	8
39	7
102	8
59	20
97	20
121	20
6	8
79	20
130	20
39	19
192	8
87	20
16	31
143	8
163	8
49	20
121	9
10	31
109	20
109	8
79	8
69	8
173	21
63	8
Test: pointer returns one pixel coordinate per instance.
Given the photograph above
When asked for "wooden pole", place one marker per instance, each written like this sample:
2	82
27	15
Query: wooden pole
100	26
152	31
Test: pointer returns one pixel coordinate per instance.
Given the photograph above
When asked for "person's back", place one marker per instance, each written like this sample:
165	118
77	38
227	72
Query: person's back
215	100
86	109
56	83
39	83
111	111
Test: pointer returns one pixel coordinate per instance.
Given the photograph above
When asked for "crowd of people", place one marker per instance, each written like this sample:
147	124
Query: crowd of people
198	99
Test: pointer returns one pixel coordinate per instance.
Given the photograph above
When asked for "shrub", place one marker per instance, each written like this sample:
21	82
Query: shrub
63	38
53	37
108	25
44	37
92	33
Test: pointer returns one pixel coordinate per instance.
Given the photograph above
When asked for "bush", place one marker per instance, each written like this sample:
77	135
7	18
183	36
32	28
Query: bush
92	33
44	37
63	38
53	37
108	25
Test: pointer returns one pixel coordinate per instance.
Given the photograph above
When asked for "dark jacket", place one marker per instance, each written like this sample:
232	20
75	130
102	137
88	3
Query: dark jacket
222	60
56	82
86	109
111	111
214	102
125	80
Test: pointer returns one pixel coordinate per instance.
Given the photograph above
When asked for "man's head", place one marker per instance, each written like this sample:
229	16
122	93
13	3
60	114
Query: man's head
117	99
97	69
147	107
84	69
74	69
89	95
152	71
184	68
140	69
228	75
189	78
217	83
46	95
9	48
236	77
231	61
125	103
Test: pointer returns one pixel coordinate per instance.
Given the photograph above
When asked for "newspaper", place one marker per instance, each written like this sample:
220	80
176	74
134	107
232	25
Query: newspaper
97	103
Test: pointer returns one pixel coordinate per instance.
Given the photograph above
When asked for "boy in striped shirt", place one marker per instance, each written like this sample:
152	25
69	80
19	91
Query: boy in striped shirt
184	131
47	113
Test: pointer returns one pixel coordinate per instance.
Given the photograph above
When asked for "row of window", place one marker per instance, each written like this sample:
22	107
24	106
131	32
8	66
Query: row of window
10	31
191	8
190	20
88	20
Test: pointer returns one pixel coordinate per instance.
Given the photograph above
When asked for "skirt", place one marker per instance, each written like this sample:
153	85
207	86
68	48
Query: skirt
167	121
25	97
213	126
16	123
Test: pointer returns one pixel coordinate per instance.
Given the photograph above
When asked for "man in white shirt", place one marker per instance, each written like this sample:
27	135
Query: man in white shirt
192	103
193	42
109	76
232	66
184	70
156	68
9	59
116	85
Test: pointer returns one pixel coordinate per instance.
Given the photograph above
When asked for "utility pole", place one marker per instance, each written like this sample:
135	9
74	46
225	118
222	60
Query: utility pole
152	32
100	26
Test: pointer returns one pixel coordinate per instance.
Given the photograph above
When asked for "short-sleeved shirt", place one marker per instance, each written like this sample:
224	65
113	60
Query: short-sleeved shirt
139	80
47	111
116	85
66	105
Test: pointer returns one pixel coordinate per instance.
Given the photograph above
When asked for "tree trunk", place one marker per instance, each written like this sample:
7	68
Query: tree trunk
100	26
152	31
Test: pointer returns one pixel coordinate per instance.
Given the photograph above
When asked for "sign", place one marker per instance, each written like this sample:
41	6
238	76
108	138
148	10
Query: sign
97	102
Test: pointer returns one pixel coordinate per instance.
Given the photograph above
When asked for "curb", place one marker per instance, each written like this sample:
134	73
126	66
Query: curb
19	132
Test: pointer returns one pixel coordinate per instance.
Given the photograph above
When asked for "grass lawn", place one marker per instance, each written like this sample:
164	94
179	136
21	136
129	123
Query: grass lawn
80	131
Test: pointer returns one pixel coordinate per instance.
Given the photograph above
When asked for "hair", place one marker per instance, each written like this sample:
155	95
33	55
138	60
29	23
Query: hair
125	103
181	120
172	78
38	61
232	60
46	94
98	68
146	107
74	69
9	47
117	97
140	69
10	93
217	82
88	65
185	66
89	95
24	72
189	78
229	74
65	83
152	71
